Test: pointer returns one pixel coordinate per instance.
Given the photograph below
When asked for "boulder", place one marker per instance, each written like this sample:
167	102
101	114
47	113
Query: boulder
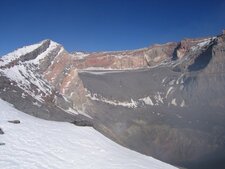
14	121
1	131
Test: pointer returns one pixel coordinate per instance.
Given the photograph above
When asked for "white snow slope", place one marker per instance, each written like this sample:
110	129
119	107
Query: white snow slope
41	144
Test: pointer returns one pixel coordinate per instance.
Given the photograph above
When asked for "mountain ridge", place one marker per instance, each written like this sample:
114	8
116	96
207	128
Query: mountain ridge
169	97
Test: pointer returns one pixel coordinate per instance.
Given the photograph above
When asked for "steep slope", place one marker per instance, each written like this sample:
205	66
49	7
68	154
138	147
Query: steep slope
22	83
62	145
173	111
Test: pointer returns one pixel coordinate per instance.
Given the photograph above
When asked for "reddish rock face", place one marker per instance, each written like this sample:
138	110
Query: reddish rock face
53	71
62	73
132	59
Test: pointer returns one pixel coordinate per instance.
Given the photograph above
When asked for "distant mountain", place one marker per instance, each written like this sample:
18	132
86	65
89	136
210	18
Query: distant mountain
166	101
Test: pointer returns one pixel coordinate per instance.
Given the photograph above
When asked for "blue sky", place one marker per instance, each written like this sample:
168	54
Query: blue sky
100	25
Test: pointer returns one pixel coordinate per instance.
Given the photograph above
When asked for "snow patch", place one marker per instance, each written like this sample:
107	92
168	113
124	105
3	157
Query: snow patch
26	79
36	104
169	91
61	50
71	111
180	80
52	46
42	144
158	98
23	95
131	104
182	104
202	44
164	79
80	55
147	100
173	102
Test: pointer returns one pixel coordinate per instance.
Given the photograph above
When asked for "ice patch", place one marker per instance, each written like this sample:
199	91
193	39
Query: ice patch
174	102
147	100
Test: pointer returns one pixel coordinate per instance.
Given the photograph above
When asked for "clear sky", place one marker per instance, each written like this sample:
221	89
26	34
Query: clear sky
100	25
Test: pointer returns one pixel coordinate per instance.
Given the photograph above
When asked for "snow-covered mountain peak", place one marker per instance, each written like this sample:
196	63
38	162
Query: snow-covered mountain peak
23	67
32	52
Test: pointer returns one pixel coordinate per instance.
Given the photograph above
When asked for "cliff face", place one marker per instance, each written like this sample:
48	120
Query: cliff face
173	111
135	59
62	71
165	101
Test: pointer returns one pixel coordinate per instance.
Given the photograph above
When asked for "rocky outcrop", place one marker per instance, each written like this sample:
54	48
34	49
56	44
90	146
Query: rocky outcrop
14	121
1	131
23	84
